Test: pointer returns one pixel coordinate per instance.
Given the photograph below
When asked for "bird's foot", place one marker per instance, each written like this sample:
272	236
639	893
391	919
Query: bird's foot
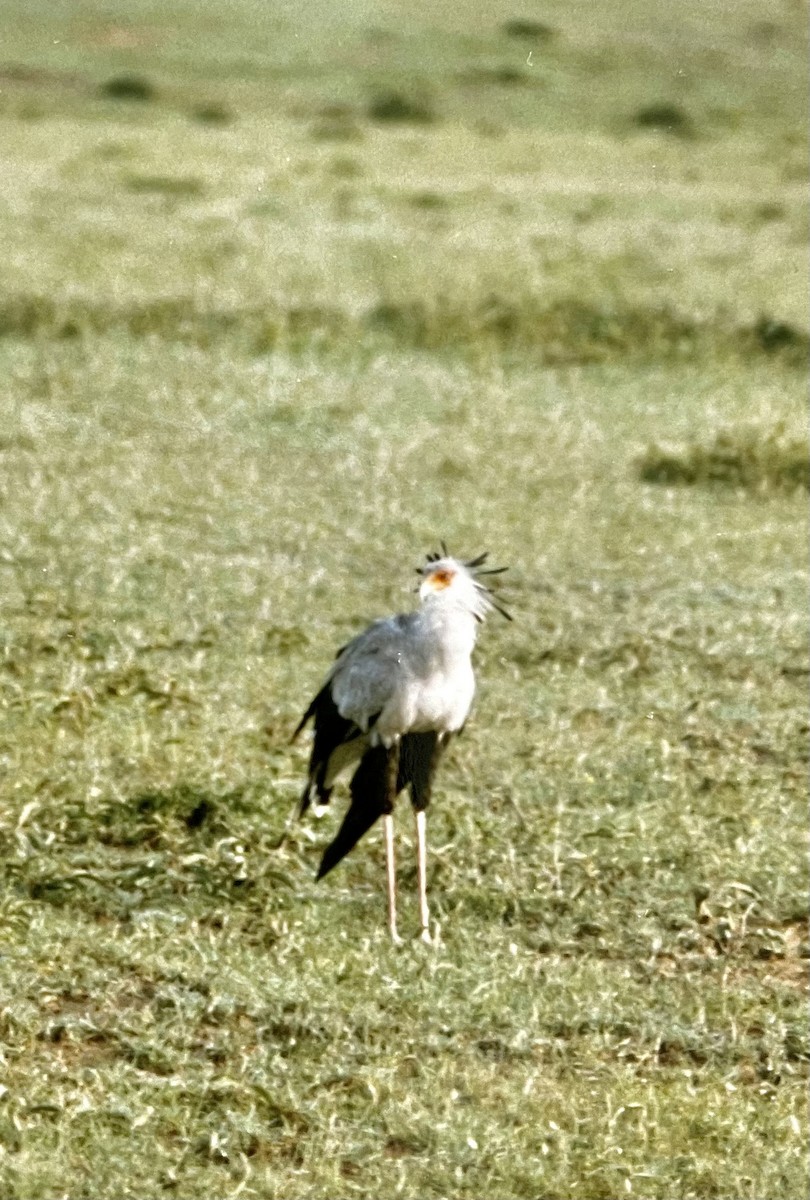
395	938
425	937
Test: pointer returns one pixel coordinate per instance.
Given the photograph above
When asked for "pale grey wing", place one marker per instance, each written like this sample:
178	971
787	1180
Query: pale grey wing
370	671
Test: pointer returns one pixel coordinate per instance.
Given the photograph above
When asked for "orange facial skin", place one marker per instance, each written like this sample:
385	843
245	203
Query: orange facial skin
440	579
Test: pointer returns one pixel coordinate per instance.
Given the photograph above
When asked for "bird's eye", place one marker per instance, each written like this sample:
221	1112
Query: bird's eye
441	579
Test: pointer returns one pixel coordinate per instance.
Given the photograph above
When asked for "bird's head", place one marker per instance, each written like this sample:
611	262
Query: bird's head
449	580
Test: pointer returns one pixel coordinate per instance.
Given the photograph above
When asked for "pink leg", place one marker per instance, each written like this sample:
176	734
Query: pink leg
421	851
392	877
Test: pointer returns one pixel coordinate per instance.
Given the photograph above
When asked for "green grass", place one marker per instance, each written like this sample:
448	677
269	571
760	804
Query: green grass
254	366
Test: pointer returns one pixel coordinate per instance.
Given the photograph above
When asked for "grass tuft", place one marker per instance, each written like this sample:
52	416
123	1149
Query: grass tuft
166	185
566	332
337	123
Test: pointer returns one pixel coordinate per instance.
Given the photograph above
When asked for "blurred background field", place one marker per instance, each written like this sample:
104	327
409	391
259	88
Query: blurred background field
287	295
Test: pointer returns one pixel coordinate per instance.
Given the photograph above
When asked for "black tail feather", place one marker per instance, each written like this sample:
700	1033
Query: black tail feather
306	717
369	801
418	757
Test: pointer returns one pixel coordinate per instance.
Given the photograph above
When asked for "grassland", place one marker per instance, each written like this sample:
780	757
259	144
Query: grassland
285	298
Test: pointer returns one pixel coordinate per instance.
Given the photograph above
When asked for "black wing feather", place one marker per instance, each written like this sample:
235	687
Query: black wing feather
331	730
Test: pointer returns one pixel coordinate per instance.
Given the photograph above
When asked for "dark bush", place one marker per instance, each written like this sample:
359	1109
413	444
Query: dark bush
396	107
529	31
212	114
503	76
128	87
668	118
778	335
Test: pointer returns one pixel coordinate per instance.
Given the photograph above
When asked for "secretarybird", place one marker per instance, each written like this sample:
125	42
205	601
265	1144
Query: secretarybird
393	699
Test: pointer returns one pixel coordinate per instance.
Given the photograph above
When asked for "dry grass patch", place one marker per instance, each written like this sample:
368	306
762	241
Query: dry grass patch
746	458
